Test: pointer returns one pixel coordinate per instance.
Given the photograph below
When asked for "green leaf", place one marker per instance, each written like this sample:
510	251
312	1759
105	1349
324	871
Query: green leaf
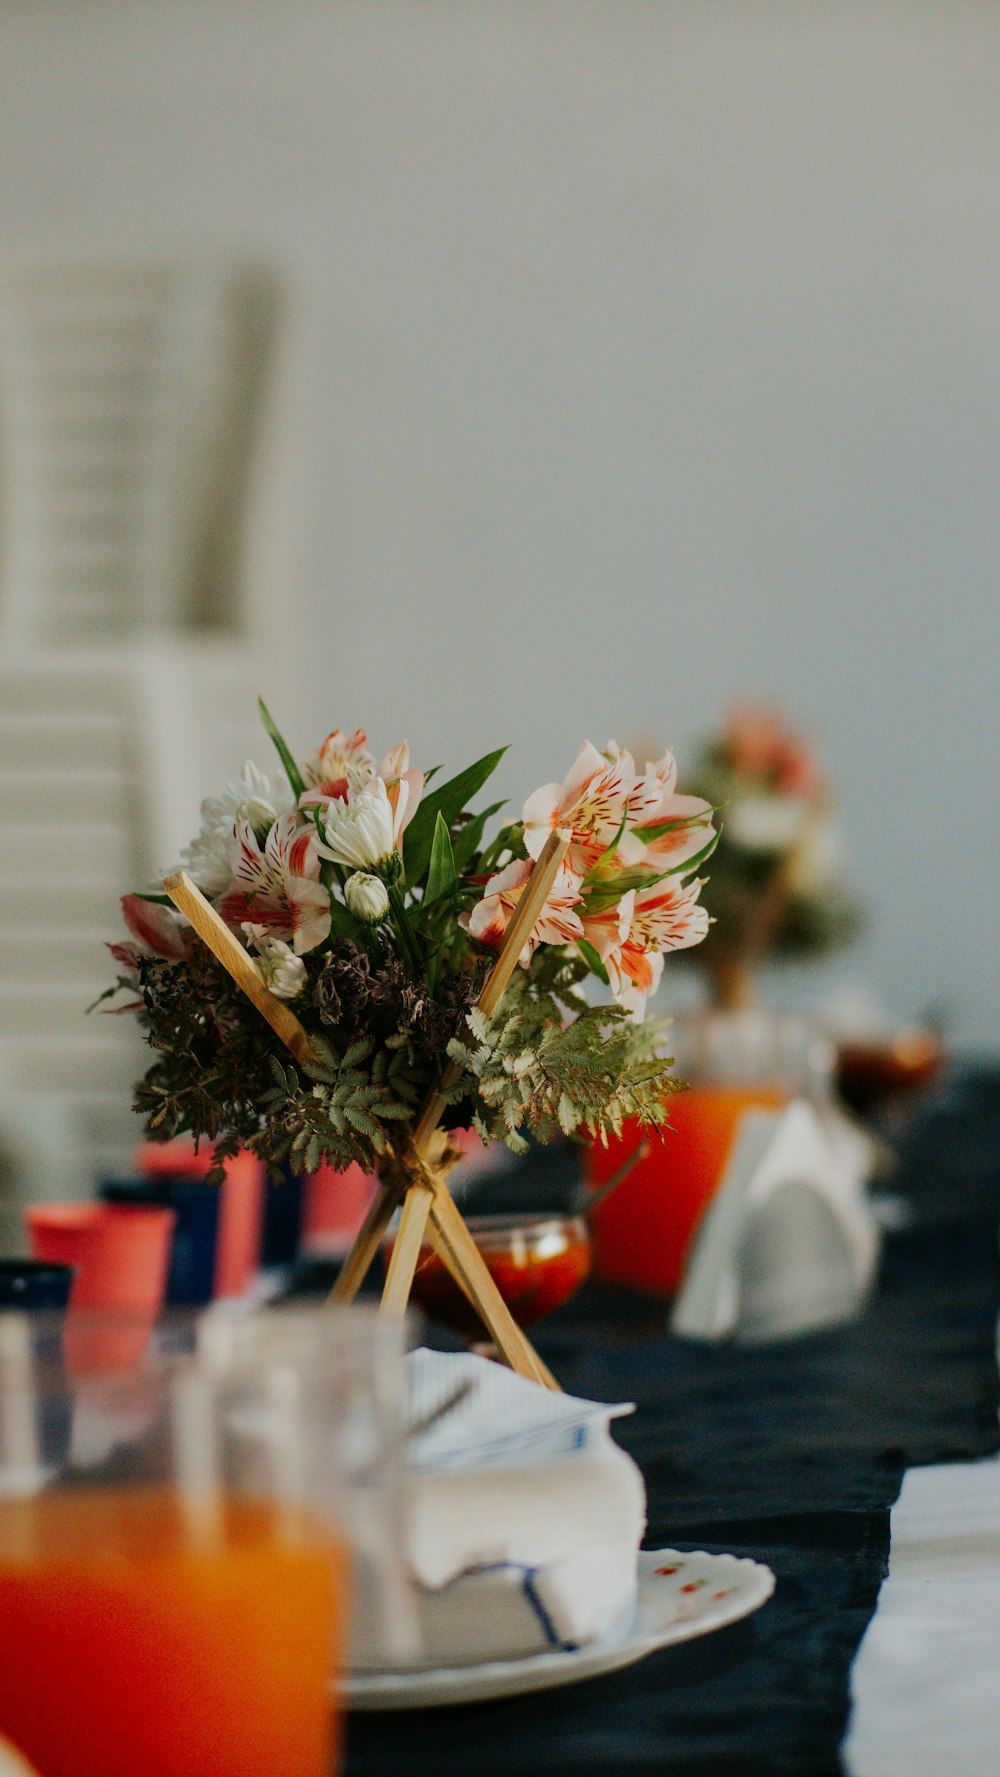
442	875
448	801
470	837
292	771
609	850
593	961
608	891
657	830
691	864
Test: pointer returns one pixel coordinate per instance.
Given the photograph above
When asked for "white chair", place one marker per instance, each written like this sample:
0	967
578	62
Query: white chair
129	396
130	391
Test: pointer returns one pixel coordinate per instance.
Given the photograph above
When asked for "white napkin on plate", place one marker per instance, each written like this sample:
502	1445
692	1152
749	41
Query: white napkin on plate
525	1519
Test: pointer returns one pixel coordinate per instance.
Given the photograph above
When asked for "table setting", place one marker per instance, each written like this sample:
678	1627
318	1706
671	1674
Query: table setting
564	1433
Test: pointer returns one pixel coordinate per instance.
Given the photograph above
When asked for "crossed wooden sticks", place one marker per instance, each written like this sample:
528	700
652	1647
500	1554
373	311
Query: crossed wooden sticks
414	1180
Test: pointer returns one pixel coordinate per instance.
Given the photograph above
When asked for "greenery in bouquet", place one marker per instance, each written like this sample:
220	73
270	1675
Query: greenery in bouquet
373	900
777	883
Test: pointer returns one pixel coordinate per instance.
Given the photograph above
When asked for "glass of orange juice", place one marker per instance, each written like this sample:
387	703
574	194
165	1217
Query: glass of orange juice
175	1595
734	1063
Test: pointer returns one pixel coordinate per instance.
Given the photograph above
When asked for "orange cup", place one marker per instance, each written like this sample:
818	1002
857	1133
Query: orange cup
644	1230
120	1252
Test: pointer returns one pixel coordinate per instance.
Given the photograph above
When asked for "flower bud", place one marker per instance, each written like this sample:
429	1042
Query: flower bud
366	898
279	967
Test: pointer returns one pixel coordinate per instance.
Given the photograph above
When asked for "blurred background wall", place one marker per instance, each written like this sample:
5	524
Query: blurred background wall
638	354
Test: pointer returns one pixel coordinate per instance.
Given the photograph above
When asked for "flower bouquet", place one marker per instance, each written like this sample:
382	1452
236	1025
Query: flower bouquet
777	884
348	965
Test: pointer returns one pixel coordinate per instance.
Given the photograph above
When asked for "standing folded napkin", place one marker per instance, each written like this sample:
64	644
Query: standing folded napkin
525	1518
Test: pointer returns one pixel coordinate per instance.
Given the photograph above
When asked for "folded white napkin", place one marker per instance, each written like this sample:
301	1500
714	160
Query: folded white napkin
501	1421
788	1243
525	1518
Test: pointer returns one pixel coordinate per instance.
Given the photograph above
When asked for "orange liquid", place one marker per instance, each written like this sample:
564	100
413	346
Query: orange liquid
129	1650
644	1230
531	1282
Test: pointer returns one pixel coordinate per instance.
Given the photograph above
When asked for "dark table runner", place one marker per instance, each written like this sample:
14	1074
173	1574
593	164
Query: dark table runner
793	1454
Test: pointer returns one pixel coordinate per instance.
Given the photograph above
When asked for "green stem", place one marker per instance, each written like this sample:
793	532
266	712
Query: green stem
404	930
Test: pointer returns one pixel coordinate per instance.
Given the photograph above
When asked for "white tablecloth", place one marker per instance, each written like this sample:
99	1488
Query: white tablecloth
926	1682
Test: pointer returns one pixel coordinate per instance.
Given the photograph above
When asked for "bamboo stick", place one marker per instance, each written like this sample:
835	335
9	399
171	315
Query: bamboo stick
406	1248
475	1281
186	896
516	936
432	1200
366	1243
467	1265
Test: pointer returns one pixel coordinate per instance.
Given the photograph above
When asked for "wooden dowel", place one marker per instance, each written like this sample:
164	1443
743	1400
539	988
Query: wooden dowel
367	1242
525	919
406	1249
188	898
456	1245
516	936
448	1234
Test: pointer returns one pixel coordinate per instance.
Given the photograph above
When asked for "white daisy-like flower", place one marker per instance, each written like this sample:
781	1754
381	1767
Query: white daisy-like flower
366	897
361	830
257	798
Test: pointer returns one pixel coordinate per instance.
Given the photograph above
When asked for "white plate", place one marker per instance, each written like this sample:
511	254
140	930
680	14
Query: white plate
680	1596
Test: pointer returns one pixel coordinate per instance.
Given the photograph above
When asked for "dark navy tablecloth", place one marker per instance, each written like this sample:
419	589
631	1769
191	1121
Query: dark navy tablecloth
792	1454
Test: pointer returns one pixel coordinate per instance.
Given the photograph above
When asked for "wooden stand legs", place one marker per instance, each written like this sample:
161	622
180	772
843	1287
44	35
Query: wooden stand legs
430	1211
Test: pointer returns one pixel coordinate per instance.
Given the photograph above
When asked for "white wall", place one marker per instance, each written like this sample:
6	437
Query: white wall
646	352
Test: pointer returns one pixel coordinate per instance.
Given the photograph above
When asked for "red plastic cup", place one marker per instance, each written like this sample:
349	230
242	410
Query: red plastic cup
120	1253
237	1249
178	1159
336	1204
645	1229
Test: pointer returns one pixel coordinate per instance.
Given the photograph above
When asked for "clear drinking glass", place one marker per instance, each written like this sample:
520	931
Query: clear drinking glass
779	1051
176	1545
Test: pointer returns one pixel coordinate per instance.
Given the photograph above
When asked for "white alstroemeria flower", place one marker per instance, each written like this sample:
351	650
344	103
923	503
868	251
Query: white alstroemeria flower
279	967
558	922
279	887
361	830
590	804
257	798
366	897
657	801
326	771
665	917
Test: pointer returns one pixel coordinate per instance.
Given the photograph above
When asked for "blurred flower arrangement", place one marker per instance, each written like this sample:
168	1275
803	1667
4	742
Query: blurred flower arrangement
777	884
371	899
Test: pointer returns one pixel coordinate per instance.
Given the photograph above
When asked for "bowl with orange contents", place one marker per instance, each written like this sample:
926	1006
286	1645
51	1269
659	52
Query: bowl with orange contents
537	1262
